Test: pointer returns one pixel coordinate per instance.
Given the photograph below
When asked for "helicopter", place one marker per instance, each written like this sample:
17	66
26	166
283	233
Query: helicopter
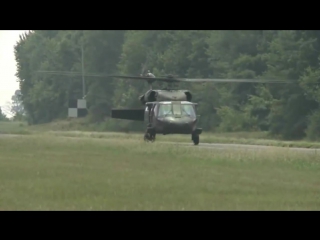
168	110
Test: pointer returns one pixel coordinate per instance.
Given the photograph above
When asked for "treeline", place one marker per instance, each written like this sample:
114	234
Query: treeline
290	111
3	116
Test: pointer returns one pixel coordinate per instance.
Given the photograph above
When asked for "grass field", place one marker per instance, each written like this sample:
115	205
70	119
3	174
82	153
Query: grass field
83	171
79	128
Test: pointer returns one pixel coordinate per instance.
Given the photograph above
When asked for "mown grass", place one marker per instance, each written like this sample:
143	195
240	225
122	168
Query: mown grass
80	128
52	172
14	128
76	127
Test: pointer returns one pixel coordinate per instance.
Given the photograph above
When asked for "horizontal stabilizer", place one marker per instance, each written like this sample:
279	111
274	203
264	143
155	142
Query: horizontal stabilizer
128	114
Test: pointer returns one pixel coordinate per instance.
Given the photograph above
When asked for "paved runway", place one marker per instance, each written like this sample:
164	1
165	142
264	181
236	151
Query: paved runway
225	146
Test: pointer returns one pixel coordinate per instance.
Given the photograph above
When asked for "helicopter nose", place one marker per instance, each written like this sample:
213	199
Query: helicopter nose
177	125
177	121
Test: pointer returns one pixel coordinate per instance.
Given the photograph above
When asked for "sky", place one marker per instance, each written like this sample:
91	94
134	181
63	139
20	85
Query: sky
8	80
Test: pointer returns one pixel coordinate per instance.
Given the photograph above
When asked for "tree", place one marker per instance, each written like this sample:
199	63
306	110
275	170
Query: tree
3	116
17	104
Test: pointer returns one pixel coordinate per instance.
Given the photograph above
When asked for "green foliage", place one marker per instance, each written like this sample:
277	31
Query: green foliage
313	129
234	121
281	109
3	116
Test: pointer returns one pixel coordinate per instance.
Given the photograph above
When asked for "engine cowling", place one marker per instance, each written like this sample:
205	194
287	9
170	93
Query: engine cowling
165	95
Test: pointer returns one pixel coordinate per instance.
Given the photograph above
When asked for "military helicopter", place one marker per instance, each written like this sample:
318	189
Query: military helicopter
168	110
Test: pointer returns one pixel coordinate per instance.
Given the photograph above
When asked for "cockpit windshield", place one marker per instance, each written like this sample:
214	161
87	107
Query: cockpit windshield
176	109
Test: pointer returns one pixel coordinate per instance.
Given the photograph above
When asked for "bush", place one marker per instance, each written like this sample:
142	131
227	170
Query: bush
313	129
234	121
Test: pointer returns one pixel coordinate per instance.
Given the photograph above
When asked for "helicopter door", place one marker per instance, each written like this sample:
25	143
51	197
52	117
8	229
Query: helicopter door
154	111
146	114
149	113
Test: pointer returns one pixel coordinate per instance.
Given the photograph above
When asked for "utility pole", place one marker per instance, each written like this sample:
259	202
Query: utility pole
83	82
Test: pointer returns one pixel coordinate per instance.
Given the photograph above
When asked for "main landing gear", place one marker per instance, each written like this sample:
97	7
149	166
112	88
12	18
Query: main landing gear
150	135
195	136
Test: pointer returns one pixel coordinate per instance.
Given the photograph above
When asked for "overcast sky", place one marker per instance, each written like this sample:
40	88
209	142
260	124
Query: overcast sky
8	81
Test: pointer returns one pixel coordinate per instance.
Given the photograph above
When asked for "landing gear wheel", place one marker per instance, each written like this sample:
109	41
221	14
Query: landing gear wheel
145	138
148	137
195	139
152	137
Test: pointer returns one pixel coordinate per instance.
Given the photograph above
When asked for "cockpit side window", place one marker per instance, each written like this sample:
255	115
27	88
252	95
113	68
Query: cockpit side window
187	110
165	110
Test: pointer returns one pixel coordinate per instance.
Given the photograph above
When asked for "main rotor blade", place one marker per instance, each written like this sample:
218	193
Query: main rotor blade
73	73
201	80
66	73
58	72
146	78
168	79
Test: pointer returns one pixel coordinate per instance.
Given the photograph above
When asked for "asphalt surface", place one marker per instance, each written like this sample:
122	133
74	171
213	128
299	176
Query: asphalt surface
227	146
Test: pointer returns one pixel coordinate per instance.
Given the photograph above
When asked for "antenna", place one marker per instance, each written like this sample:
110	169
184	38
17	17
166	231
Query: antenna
82	62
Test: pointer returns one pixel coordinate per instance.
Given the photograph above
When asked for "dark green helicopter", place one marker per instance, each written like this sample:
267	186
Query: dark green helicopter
168	110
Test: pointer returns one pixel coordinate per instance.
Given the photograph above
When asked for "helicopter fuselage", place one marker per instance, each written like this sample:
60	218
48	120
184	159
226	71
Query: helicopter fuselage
166	112
171	117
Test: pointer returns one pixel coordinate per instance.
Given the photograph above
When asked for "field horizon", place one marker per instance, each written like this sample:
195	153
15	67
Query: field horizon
81	127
